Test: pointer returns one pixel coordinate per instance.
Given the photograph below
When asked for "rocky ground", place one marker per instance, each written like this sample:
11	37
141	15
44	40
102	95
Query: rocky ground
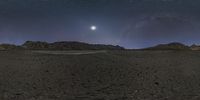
111	75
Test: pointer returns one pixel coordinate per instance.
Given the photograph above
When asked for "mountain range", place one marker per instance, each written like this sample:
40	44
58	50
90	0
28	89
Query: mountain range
72	45
63	45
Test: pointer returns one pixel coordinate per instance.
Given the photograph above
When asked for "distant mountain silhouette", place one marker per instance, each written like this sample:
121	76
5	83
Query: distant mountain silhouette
68	45
65	45
10	47
195	47
36	45
170	46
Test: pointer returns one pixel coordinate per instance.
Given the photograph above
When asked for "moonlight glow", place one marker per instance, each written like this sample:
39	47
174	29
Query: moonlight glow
93	28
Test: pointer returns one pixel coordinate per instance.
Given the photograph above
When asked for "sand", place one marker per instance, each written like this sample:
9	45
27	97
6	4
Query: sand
77	52
111	75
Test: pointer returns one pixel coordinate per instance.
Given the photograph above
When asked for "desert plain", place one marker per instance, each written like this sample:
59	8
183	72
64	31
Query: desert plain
100	75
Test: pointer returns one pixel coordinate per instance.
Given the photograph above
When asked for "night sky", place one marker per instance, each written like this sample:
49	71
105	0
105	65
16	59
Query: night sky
129	23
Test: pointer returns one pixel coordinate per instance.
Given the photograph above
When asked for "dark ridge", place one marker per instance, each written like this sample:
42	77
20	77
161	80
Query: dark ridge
67	45
195	47
36	45
10	47
170	46
73	45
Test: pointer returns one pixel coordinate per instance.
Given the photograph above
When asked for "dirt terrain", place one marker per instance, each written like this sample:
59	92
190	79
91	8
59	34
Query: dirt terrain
77	52
111	75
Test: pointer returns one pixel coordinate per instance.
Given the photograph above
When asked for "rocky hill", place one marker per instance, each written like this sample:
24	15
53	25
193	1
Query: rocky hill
36	45
68	45
195	47
170	46
64	45
10	47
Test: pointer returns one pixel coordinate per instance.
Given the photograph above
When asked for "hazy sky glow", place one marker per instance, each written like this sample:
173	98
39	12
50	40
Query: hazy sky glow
130	23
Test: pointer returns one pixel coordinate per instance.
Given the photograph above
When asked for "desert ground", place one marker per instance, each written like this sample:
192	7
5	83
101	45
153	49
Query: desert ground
99	75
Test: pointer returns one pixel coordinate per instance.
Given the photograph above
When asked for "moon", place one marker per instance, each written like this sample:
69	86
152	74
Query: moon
93	28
